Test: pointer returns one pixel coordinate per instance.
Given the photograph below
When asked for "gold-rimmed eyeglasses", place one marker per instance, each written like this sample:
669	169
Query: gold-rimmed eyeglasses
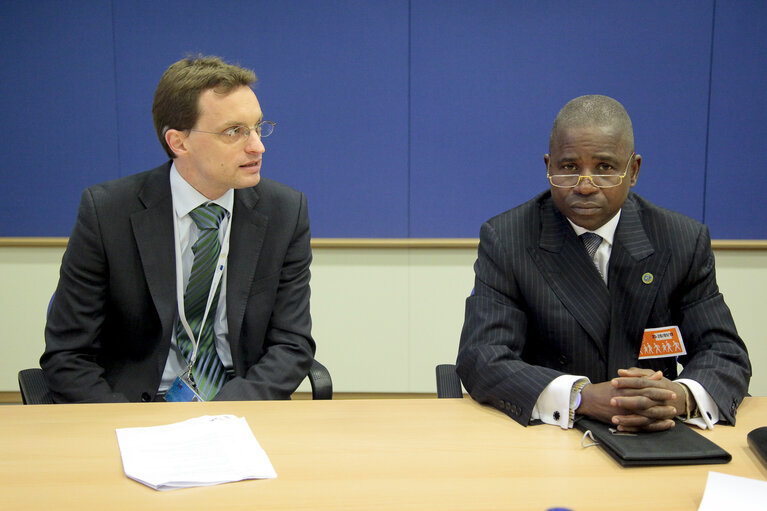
240	133
567	179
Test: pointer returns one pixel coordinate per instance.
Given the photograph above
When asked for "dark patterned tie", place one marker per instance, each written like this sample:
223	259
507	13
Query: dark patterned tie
208	371
592	241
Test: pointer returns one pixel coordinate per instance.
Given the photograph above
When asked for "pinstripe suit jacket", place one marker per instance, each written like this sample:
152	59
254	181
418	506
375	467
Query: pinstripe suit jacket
540	308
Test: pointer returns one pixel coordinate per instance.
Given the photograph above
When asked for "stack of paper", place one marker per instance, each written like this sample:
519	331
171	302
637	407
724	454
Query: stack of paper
724	491
198	452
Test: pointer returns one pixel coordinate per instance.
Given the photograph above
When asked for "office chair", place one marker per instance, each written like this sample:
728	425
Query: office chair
34	388
319	378
448	383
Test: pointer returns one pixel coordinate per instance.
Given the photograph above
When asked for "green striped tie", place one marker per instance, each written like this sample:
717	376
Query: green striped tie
208	371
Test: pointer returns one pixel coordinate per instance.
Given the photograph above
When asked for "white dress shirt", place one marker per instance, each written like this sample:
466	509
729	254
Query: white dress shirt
556	401
185	199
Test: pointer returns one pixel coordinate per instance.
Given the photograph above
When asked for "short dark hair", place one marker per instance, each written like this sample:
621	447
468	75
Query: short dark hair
176	99
594	110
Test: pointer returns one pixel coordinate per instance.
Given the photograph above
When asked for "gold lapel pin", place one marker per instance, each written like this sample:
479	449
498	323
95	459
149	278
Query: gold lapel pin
647	278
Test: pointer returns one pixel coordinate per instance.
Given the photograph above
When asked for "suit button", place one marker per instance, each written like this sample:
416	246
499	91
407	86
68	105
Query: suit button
145	397
734	408
562	360
508	406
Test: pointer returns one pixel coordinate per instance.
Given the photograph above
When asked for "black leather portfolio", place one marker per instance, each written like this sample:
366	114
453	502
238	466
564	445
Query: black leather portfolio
757	439
680	445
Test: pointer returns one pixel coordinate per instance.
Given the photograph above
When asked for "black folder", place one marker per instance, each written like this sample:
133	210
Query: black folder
680	445
757	439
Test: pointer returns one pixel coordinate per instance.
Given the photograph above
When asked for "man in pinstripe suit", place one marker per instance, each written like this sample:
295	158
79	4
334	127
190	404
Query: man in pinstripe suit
555	324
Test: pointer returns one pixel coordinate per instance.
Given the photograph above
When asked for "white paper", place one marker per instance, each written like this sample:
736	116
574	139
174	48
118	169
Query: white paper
203	451
733	493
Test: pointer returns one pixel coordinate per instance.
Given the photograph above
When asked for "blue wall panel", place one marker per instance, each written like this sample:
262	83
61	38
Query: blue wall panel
333	75
488	80
737	177
398	118
59	129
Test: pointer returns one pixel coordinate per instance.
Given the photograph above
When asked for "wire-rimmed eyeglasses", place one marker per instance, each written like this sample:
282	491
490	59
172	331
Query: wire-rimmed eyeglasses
240	133
571	180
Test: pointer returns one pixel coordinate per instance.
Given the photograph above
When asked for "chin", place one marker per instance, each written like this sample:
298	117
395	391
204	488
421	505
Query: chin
249	181
589	223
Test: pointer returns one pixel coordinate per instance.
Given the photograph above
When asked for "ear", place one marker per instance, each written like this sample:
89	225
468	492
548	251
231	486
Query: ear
546	158
176	140
634	170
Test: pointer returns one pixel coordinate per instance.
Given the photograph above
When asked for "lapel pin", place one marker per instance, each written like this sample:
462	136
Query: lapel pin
647	278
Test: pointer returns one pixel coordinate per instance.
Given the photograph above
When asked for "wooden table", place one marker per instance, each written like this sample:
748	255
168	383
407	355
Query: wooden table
359	454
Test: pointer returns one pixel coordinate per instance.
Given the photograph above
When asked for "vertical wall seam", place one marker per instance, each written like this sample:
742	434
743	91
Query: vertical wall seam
708	110
409	113
408	209
117	109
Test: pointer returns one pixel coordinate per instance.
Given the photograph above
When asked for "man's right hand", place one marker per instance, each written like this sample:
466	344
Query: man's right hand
650	409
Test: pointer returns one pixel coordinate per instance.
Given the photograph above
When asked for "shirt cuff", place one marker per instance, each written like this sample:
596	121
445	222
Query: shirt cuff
709	412
555	402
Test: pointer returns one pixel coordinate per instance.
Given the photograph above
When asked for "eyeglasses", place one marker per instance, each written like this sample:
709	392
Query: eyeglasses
599	180
241	133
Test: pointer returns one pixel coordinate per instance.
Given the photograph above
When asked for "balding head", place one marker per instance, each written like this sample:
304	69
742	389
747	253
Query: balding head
593	110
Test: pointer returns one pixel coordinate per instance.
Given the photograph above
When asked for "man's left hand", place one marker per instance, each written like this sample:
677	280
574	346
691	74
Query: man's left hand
638	387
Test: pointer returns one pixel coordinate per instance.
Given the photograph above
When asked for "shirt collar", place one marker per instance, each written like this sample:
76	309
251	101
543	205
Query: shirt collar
607	231
186	198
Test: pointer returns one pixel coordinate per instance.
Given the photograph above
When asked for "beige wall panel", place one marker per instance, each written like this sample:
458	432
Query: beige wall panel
383	317
440	281
28	278
360	318
742	278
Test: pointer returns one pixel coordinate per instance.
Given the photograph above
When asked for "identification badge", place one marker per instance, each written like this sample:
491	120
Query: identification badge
662	342
182	390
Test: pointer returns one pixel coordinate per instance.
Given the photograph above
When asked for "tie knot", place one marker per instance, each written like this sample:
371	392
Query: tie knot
208	216
591	241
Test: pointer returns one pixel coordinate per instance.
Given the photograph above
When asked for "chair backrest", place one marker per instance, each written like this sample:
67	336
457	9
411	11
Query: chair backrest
322	385
34	389
448	382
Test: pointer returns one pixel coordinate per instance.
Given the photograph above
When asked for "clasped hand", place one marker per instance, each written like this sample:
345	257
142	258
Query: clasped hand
637	400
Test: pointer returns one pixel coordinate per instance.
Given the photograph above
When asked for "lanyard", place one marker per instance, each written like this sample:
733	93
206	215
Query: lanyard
220	266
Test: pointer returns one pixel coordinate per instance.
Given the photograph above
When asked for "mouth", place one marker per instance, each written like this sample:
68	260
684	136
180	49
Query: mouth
253	165
585	208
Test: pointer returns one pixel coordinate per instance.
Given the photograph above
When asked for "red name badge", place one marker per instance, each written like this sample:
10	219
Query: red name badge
662	342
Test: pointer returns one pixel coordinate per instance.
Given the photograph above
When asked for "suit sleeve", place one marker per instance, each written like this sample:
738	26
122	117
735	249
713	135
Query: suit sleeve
76	316
289	346
716	356
494	336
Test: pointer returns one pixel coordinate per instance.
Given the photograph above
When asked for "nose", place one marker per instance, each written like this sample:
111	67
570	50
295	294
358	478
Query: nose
586	186
254	144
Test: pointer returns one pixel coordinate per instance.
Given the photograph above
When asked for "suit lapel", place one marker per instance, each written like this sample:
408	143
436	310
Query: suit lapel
246	240
564	263
153	232
636	271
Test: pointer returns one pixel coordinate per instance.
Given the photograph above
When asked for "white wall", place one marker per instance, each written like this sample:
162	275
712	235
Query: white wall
383	317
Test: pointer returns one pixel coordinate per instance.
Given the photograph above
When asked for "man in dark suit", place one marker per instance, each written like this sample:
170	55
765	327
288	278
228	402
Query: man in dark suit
118	329
556	322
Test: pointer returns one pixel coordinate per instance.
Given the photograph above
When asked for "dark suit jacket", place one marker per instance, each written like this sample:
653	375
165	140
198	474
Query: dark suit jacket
109	328
540	308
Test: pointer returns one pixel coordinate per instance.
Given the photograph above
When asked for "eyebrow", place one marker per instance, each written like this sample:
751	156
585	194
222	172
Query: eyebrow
596	156
242	123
